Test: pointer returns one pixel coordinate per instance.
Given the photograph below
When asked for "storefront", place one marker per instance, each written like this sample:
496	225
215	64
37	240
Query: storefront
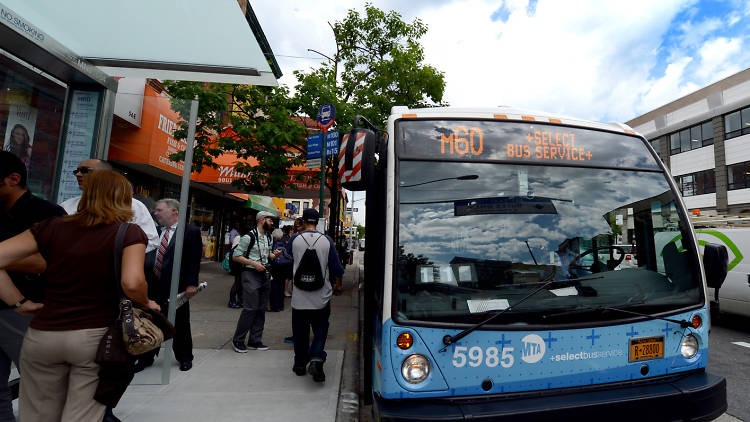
53	106
140	147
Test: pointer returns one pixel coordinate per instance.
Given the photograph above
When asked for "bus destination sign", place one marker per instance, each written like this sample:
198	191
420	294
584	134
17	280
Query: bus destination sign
482	140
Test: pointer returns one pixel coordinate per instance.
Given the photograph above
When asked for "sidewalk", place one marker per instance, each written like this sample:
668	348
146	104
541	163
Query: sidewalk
224	385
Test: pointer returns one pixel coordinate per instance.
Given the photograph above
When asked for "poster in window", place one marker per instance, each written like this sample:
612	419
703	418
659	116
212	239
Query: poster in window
19	135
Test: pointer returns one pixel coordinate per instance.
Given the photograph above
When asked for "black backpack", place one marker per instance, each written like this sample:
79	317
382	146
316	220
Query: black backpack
308	275
236	268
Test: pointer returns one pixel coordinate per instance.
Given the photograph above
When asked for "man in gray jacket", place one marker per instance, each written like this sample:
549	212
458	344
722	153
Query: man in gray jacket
312	308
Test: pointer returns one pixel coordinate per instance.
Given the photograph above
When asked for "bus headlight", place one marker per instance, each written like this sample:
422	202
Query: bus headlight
689	346
415	369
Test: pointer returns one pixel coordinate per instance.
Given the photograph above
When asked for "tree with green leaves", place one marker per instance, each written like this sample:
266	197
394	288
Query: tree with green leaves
378	63
262	127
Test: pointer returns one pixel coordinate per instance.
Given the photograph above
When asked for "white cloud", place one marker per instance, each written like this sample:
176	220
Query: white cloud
716	55
584	58
573	58
668	87
695	33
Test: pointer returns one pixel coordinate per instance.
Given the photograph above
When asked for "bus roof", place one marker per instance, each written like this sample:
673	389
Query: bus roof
506	113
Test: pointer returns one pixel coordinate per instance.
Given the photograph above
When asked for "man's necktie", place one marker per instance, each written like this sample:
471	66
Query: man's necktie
160	253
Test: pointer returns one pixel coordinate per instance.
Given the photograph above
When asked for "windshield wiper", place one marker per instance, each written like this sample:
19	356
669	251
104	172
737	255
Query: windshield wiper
448	339
683	323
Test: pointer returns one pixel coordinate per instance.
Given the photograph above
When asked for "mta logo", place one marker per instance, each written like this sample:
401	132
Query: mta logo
532	349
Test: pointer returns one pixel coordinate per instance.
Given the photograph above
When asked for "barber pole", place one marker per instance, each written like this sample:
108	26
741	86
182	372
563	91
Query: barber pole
353	172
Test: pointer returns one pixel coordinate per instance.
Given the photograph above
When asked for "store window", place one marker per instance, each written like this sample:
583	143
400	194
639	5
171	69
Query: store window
737	123
296	206
31	116
699	183
738	175
693	137
305	205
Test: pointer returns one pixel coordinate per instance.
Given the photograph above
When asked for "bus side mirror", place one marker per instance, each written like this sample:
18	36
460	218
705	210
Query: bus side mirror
715	262
357	159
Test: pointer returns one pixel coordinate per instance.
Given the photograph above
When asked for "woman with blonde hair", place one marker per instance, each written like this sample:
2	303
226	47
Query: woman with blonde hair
80	298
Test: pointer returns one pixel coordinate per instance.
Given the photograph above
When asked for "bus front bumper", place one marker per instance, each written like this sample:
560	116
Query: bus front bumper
694	397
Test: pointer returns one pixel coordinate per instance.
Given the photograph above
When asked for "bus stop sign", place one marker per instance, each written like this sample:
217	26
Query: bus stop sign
326	116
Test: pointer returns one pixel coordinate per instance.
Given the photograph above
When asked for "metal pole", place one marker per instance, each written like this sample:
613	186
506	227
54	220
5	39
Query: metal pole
180	235
351	223
321	207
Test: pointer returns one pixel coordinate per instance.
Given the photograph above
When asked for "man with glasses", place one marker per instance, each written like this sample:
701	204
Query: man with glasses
141	215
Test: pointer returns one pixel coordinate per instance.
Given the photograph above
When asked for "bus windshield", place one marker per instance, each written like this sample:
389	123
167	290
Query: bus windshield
476	237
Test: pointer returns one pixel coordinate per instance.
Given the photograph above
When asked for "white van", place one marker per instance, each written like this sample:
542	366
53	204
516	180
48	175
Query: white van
734	295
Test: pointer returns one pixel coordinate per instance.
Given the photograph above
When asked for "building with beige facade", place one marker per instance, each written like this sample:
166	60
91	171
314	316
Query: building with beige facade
704	140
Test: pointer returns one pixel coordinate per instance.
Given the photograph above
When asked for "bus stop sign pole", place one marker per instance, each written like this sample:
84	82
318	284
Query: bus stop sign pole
326	117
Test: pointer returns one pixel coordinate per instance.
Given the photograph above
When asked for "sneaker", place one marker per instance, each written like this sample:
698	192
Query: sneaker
239	347
316	370
289	339
231	304
299	370
257	346
235	305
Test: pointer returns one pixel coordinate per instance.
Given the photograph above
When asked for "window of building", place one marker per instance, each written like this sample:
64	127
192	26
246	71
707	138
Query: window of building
699	183
737	123
305	205
693	137
738	175
656	144
295	204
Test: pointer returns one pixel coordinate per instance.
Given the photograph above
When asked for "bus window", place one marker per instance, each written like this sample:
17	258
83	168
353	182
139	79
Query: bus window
464	239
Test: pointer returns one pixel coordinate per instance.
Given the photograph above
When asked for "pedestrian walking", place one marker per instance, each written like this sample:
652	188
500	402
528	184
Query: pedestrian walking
60	375
160	279
19	210
254	253
315	263
280	267
235	292
296	228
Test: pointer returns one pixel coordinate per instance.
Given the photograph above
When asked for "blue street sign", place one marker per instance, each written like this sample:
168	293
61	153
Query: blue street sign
314	141
326	114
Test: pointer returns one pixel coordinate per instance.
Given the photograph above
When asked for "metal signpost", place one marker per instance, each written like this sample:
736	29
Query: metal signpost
180	235
326	117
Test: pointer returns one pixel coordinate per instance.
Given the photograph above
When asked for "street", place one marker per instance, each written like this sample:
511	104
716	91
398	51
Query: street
732	361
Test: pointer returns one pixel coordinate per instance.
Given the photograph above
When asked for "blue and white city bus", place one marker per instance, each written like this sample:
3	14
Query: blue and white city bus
493	286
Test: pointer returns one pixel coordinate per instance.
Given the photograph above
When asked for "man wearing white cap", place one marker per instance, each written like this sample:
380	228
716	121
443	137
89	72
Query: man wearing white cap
254	253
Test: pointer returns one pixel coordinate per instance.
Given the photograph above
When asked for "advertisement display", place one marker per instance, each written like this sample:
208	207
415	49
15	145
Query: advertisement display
19	133
79	138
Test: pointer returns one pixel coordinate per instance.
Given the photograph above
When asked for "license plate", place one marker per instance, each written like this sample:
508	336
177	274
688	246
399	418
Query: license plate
646	348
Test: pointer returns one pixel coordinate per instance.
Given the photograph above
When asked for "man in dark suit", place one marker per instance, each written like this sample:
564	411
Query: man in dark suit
166	214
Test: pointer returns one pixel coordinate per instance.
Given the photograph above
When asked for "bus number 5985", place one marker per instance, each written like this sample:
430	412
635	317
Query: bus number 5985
474	356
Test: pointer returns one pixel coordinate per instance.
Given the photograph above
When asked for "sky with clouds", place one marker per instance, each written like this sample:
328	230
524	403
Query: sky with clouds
598	60
602	60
